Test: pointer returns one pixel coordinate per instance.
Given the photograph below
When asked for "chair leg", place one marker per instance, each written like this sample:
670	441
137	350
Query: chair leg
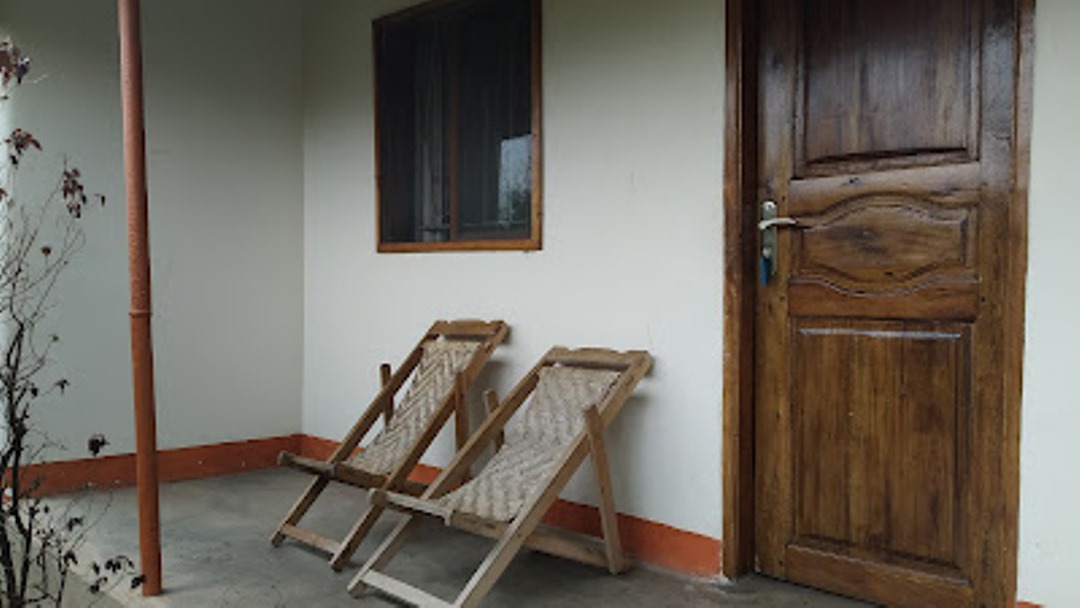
355	537
515	535
491	568
300	508
386	551
514	538
608	519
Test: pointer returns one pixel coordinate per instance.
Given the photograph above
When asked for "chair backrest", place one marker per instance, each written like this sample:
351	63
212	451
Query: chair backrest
536	442
554	414
429	386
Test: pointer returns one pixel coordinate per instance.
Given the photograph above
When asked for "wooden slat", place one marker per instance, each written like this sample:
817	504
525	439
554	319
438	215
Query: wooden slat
344	473
398	589
492	245
302	463
948	186
774	523
461	413
385	374
571	545
608	521
385	551
1015	299
299	508
492	403
594	357
360	478
409	503
875	581
956	299
310	538
553	541
536	202
740	275
560	543
468	328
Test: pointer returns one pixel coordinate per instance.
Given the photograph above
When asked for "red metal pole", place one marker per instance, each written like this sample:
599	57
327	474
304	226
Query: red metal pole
142	361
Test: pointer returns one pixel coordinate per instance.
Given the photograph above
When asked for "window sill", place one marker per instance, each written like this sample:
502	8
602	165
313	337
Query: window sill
487	245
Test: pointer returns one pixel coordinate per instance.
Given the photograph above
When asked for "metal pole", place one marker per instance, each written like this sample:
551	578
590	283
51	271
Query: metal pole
142	362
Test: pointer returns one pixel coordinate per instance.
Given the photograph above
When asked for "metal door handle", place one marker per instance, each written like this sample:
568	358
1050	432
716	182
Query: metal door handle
775	222
767	227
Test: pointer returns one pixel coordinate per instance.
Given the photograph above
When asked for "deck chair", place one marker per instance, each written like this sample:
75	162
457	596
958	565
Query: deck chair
575	395
442	366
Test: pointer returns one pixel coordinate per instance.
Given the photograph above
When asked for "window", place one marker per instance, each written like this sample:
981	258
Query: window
458	126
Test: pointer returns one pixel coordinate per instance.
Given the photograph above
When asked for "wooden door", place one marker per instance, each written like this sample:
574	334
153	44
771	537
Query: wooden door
882	438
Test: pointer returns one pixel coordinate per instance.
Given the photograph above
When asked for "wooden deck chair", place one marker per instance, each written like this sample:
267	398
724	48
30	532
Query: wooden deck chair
575	396
442	366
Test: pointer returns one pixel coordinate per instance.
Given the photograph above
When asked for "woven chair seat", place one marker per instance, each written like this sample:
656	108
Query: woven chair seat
535	443
429	386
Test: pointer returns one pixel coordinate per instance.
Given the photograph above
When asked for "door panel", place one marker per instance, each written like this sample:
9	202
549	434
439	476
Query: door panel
875	479
859	63
886	130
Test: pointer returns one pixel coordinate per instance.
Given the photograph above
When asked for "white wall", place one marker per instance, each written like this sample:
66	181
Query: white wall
224	131
1049	494
633	140
632	236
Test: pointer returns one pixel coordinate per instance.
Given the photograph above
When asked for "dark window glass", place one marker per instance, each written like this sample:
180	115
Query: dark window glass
456	128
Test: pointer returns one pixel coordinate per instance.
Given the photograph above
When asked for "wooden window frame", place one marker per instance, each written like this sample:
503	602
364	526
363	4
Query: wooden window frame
534	241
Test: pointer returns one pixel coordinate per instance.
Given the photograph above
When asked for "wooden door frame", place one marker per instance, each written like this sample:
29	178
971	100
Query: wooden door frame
740	276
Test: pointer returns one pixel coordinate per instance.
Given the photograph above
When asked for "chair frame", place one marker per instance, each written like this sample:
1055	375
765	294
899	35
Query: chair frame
525	529
336	468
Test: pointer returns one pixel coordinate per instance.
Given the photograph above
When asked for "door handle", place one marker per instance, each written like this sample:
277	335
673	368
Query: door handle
776	222
767	227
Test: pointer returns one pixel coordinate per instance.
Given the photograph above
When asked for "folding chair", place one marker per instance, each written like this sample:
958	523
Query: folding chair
575	395
442	367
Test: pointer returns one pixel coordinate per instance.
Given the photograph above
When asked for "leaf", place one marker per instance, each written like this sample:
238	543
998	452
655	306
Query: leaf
96	443
62	384
136	581
18	143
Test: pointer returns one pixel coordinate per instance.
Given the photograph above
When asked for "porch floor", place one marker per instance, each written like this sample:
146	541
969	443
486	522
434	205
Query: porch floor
216	552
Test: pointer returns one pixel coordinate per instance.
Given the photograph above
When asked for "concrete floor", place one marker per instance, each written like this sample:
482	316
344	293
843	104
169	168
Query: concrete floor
216	552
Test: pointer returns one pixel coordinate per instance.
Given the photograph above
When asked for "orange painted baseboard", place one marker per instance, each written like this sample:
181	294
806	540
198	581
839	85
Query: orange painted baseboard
1028	605
173	465
315	447
648	541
